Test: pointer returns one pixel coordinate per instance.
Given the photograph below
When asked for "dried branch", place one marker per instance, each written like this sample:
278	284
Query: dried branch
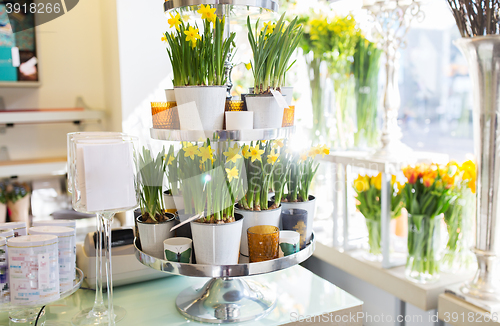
476	17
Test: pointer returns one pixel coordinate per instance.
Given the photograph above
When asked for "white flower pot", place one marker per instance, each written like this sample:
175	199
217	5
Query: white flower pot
3	212
253	218
217	244
239	120
19	211
266	111
310	207
287	92
173	203
170	95
153	235
201	106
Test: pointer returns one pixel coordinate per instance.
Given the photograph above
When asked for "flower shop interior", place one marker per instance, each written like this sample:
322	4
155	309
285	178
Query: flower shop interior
141	185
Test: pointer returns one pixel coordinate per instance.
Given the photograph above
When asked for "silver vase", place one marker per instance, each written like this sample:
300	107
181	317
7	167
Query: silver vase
483	56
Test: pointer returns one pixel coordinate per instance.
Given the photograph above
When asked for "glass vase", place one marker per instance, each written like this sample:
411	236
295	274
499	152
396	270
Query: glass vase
457	256
374	239
422	265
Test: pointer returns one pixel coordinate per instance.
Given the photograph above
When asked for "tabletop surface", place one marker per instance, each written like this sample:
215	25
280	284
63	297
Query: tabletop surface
300	293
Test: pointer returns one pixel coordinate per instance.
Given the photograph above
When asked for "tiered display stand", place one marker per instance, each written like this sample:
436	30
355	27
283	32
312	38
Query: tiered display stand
27	314
226	297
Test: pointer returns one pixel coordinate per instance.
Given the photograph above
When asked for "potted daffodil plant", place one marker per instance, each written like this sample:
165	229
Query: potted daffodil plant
198	64
303	168
154	223
272	46
211	184
261	159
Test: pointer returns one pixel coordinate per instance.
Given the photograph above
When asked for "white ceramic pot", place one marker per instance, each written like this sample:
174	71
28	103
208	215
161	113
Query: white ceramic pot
253	218
217	244
239	120
287	92
170	95
153	235
201	106
3	212
266	111
310	207
19	211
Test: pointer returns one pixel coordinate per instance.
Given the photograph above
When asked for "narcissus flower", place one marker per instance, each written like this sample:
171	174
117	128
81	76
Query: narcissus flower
205	153
232	173
174	21
171	158
232	154
163	38
248	65
192	34
324	150
190	151
272	158
245	150
268	27
207	13
256	153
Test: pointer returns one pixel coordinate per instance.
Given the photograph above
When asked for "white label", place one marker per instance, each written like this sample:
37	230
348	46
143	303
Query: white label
109	177
16	60
43	271
279	98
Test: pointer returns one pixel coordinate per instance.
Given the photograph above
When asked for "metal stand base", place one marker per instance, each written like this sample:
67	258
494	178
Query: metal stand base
392	150
484	285
226	300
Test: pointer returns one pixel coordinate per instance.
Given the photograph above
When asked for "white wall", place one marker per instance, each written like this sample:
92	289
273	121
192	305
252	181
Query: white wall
72	55
144	65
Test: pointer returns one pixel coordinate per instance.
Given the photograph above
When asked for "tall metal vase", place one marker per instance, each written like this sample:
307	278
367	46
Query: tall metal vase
483	56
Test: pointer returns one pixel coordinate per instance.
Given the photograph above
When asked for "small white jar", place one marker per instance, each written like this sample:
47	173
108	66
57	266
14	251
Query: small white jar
18	227
4	272
33	269
67	223
6	233
67	252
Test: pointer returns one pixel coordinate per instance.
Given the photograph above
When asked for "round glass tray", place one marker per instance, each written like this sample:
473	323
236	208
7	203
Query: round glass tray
226	297
77	283
221	135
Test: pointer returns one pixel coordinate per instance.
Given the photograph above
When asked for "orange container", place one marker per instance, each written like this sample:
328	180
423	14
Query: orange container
263	242
288	116
165	115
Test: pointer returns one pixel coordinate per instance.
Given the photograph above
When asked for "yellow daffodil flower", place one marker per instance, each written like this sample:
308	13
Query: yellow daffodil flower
207	13
272	158
245	150
324	150
174	21
278	143
192	34
163	38
232	173
248	65
270	27
303	157
205	153
170	160
190	151
256	153
232	154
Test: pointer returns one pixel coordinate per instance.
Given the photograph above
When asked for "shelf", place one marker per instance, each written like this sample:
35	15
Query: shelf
46	116
34	167
264	4
21	84
455	311
363	160
221	135
393	280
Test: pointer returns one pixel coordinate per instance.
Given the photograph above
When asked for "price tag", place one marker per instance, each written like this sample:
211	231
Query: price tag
279	98
43	271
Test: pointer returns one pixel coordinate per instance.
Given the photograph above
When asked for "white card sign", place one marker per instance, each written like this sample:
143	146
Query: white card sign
280	99
108	176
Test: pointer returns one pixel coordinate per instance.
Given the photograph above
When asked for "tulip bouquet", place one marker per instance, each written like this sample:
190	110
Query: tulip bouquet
459	218
369	194
198	59
427	195
211	184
